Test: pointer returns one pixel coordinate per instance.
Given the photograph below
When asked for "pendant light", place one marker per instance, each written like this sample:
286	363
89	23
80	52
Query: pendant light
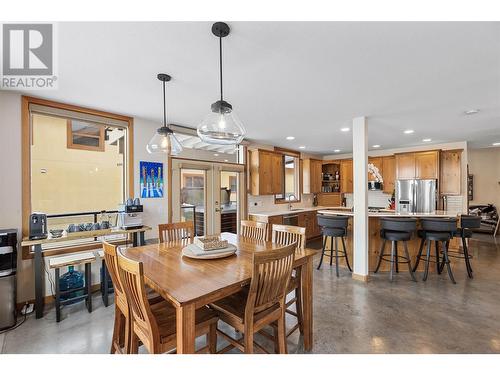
164	140
221	125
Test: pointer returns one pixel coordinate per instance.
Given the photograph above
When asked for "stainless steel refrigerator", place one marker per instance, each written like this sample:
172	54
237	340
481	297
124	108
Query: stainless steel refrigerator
414	196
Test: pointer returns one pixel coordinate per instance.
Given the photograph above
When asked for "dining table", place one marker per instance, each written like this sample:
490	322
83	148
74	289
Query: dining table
190	283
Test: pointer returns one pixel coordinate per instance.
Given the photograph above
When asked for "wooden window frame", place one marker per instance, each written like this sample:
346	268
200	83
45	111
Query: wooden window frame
77	146
26	164
294	154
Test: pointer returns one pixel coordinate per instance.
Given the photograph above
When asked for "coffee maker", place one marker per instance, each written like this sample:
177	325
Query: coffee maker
130	214
38	226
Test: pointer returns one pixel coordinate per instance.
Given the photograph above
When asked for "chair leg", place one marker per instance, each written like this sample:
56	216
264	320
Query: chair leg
438	268
134	344
248	338
380	255
426	273
88	285
396	257
275	337
466	257
331	251
322	253
345	254
448	265
212	338
282	348
336	257
128	334
298	307
393	247
115	340
407	254
419	255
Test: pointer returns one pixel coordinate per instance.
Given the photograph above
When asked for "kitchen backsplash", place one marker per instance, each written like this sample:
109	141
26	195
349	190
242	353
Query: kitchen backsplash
261	203
376	198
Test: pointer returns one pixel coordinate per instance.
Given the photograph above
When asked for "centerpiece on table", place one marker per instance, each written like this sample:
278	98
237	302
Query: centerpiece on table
209	247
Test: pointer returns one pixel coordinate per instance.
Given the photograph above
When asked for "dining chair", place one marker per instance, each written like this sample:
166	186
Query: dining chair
263	303
286	235
176	231
120	342
155	325
256	230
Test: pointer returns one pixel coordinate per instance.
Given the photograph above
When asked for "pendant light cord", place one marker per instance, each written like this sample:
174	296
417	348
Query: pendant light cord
164	106
220	66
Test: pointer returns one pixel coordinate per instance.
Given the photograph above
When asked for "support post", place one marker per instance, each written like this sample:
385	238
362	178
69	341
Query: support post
360	174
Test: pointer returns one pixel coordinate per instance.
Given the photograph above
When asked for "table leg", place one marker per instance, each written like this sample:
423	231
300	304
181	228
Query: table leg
307	303
134	239
142	242
185	329
105	286
39	281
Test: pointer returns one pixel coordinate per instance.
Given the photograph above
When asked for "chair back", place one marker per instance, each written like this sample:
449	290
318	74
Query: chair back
335	222
253	229
144	324
176	231
398	224
288	234
470	221
270	276
434	224
111	260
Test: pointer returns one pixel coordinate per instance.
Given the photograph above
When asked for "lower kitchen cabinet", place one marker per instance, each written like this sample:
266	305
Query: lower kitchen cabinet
270	220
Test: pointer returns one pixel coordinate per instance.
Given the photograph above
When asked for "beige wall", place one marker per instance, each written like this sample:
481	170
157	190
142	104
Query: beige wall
484	164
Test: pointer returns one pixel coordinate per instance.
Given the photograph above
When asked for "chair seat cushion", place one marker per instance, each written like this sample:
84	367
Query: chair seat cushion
234	306
165	315
333	232
393	235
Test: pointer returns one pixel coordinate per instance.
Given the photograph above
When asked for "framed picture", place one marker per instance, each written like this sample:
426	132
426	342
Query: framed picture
151	179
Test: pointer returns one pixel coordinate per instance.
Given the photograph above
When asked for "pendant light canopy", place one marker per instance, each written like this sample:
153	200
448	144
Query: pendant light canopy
164	139
221	125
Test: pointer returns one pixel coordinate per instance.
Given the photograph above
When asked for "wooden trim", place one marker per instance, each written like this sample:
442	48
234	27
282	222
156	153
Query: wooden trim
70	249
358	277
26	154
286	151
70	133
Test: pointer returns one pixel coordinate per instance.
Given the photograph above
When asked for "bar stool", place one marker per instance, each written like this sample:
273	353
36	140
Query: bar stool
437	230
467	223
334	227
394	230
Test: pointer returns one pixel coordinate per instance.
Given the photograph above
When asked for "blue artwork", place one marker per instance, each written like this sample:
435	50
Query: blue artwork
151	179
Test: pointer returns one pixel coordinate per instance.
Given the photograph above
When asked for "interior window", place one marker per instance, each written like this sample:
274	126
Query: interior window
291	178
85	136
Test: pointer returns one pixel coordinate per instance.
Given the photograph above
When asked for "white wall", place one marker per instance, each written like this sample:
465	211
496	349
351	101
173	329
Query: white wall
484	165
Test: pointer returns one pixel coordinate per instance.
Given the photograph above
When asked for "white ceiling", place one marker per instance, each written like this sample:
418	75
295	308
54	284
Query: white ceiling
306	79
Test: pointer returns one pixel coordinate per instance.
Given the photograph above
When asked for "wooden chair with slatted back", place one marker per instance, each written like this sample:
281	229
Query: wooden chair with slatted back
253	229
263	303
285	235
176	231
155	325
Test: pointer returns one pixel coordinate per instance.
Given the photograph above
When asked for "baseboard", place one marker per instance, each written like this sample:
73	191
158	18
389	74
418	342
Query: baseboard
358	277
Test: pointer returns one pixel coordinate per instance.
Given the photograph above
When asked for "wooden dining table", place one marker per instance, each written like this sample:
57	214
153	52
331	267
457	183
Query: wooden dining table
192	283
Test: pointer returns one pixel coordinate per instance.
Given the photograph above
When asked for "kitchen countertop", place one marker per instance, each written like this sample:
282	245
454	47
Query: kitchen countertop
297	211
389	213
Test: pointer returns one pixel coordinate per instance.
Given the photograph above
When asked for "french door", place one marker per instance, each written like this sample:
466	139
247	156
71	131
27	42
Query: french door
208	193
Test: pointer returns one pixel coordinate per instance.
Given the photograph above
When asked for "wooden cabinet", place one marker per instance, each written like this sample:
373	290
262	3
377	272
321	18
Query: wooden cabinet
451	172
311	176
309	221
389	173
270	220
266	177
377	162
423	165
346	176
329	199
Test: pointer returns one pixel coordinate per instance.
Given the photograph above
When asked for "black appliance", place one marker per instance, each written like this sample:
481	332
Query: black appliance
38	226
8	265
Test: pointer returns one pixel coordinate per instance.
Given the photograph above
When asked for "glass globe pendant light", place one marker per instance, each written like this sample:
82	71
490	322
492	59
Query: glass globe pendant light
164	139
221	125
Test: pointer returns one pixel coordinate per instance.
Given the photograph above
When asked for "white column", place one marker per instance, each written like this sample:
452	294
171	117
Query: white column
360	172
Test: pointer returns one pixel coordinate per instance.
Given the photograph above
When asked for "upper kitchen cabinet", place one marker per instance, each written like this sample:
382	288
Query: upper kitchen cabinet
422	165
346	176
311	176
450	179
266	177
389	173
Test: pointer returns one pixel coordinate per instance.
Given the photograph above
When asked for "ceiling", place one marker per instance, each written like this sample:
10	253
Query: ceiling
301	79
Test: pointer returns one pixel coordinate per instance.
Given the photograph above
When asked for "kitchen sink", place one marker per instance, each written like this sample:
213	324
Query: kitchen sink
296	209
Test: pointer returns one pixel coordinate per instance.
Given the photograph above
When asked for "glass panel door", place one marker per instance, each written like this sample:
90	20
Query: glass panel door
228	201
193	198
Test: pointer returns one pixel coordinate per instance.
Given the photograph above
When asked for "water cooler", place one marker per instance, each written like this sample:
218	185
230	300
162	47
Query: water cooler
8	264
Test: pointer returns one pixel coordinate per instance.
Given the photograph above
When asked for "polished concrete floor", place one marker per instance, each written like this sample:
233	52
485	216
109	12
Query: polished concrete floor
349	316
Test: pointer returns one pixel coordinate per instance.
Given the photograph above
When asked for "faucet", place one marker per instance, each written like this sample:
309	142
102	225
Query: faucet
290	195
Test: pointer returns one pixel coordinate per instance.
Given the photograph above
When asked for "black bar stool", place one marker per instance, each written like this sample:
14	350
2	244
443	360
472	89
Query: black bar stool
394	230
437	230
334	227
467	223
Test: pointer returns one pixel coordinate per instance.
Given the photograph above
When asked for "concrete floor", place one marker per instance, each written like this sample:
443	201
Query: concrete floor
349	317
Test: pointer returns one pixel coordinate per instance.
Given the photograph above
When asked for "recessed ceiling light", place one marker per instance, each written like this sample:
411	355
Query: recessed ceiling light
409	131
471	111
496	144
376	146
426	140
344	129
302	147
290	138
336	150
216	154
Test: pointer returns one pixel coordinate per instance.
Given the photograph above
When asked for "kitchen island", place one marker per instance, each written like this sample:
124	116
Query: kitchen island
375	242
